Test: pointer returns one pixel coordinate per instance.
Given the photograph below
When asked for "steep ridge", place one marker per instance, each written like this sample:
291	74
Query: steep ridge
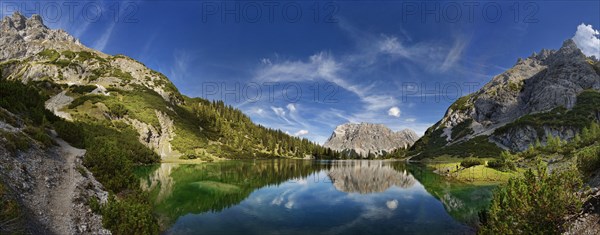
547	93
367	138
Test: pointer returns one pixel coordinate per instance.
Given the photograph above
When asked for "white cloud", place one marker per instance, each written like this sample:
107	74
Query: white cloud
394	111
278	111
410	120
587	40
291	107
301	133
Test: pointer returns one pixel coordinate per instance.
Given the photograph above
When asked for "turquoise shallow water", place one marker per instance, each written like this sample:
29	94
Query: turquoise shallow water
309	197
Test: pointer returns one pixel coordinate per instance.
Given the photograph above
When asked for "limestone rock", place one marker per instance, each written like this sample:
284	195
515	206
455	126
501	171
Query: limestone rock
365	138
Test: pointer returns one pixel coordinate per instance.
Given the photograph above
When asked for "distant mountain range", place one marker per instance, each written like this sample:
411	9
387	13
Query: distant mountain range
366	138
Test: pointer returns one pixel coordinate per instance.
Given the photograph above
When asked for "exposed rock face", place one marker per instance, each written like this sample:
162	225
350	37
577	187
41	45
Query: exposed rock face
23	38
365	138
156	138
57	102
539	83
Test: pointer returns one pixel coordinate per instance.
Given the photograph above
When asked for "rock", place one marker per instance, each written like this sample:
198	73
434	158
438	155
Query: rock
365	138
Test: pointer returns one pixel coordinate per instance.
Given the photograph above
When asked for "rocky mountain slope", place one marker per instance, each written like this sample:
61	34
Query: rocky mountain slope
367	138
89	86
553	92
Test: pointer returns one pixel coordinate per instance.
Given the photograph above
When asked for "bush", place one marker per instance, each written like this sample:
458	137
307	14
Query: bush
131	215
39	135
24	100
83	89
505	163
110	166
588	159
118	110
537	203
470	162
70	132
81	100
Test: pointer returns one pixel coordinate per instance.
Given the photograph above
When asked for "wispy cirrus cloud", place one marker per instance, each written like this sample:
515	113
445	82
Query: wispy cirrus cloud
103	41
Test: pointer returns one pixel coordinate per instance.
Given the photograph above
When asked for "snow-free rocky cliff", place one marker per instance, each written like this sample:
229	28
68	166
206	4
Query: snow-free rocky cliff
534	85
365	138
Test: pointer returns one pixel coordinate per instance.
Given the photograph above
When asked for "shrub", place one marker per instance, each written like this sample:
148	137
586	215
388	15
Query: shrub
81	100
83	89
505	163
588	159
118	110
110	166
130	215
24	100
70	132
537	203
39	135
470	162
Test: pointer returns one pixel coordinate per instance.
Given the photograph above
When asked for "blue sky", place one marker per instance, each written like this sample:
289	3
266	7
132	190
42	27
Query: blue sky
307	66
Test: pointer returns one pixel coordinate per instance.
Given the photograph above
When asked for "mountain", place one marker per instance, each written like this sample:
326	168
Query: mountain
88	86
553	92
367	138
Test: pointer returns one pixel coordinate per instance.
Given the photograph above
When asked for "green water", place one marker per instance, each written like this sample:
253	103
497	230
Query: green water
310	197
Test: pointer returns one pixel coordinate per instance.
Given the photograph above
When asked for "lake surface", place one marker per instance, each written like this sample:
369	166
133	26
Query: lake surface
310	197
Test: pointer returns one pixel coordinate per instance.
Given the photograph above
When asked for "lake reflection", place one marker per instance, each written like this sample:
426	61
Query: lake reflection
301	197
367	176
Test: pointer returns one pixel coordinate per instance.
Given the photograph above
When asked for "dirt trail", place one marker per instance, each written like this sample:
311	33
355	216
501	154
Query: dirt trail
61	208
59	195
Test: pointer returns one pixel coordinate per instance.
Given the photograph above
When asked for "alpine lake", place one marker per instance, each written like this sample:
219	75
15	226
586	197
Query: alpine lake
311	197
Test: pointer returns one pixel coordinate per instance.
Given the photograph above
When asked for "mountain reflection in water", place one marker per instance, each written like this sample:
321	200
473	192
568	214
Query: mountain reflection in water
307	197
367	177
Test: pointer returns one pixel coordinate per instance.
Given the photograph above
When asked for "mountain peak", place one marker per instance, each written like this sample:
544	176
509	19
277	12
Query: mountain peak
364	138
17	20
35	21
569	43
23	37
